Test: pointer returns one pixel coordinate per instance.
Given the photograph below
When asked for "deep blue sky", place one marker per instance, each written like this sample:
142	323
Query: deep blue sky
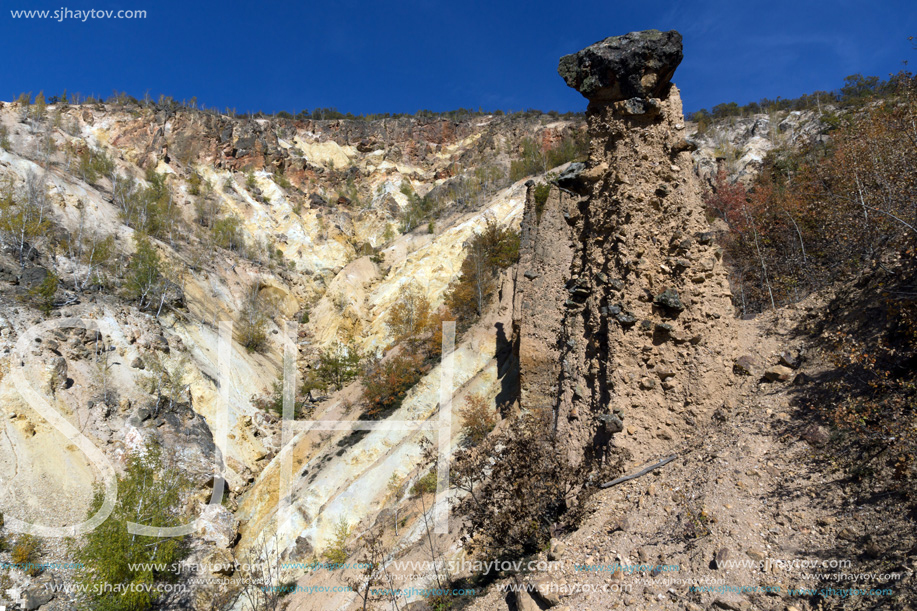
401	56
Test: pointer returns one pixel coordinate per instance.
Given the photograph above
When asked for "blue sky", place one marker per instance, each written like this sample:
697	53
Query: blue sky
402	56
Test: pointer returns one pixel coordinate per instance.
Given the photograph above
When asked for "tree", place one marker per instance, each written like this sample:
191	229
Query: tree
521	485
25	218
489	251
227	233
146	278
90	248
166	381
336	552
39	108
253	319
478	418
338	365
409	317
150	493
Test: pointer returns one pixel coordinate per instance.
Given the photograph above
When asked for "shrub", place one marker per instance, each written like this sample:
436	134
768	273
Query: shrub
43	294
24	217
227	233
478	418
338	365
388	381
538	157
426	484
26	550
822	213
521	486
409	317
541	194
194	183
490	251
151	209
418	209
273	401
282	180
336	552
150	492
146	274
165	381
253	319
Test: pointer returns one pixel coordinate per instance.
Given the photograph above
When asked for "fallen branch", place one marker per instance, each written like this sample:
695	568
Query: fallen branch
639	473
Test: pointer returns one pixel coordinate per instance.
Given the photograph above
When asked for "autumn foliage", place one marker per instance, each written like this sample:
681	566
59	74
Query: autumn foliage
826	212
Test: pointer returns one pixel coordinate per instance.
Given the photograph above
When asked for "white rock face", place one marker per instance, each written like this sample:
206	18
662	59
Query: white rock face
743	142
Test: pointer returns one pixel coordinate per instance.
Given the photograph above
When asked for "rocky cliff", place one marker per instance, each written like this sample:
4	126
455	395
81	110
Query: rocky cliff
622	302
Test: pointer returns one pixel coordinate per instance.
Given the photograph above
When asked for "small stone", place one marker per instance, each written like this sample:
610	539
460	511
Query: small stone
789	360
744	365
720	558
626	318
816	435
669	300
530	275
755	555
137	363
847	534
611	423
647	383
778	373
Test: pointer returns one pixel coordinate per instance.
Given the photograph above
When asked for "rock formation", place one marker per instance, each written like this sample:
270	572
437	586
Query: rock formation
622	300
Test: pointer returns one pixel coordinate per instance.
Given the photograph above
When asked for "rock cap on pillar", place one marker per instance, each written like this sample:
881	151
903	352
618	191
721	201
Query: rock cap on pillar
636	66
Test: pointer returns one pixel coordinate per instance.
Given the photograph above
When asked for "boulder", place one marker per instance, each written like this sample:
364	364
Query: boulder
636	65
219	525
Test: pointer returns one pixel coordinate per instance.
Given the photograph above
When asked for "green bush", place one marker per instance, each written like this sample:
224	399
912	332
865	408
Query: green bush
336	552
337	366
418	209
151	494
146	274
227	233
541	193
425	485
43	294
